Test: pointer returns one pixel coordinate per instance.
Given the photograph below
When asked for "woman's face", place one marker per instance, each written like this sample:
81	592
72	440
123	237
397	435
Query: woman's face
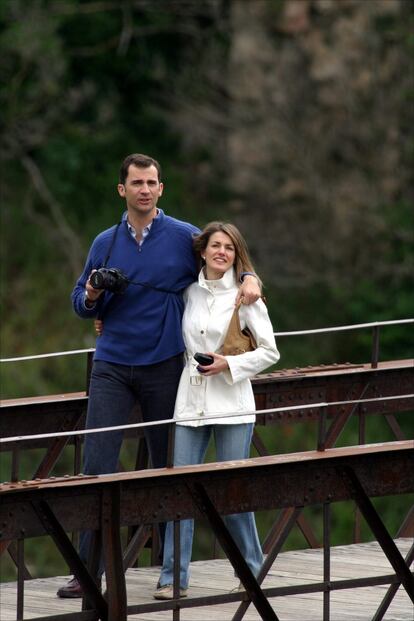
219	255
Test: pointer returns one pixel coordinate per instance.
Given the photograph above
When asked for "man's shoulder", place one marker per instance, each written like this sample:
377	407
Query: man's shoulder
102	243
181	226
105	235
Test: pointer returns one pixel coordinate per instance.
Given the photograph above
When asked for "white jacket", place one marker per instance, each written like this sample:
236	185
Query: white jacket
209	305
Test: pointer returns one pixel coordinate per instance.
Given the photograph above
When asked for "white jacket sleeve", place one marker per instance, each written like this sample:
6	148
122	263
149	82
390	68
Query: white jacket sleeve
256	318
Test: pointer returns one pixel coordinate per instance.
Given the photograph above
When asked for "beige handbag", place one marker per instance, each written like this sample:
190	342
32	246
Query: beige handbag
237	341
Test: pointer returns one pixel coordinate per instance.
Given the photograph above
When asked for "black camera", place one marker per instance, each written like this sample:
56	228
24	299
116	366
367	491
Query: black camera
110	279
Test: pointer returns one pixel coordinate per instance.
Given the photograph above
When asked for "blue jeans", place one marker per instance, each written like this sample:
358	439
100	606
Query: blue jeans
232	442
113	392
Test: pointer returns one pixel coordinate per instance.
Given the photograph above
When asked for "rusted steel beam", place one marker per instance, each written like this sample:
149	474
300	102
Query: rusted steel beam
58	413
240	566
270	558
396	429
278	530
278	389
336	383
148	496
56	446
326	559
53	527
383	537
339	422
31	508
136	543
14	552
333	383
388	597
340	382
407	527
46	414
111	539
295	386
176	566
20	578
93	566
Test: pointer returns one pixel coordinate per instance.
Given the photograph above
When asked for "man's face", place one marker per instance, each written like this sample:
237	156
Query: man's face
141	190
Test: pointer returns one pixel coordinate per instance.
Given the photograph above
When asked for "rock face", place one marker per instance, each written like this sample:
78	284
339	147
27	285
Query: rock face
319	107
315	132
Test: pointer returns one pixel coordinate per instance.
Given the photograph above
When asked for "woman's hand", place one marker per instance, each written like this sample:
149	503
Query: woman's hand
219	365
98	324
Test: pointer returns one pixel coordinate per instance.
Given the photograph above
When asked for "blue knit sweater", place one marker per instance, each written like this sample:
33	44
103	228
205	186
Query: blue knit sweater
142	325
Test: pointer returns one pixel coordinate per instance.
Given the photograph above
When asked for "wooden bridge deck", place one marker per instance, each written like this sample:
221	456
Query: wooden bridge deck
215	577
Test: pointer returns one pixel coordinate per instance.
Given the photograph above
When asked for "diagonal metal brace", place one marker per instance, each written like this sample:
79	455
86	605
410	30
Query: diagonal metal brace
270	558
243	571
111	540
389	596
339	422
65	546
383	537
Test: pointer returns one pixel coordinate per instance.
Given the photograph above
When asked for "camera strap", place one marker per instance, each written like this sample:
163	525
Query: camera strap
149	286
112	243
132	282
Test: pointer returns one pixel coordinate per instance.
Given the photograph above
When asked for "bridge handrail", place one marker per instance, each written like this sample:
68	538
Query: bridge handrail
321	405
359	326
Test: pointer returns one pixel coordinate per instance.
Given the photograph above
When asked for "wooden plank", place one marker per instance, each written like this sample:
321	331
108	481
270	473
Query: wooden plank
216	577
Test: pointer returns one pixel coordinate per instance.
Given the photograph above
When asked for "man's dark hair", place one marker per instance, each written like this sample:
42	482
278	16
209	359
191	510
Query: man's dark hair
139	160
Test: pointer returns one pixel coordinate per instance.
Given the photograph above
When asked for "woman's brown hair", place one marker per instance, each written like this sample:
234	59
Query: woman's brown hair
242	261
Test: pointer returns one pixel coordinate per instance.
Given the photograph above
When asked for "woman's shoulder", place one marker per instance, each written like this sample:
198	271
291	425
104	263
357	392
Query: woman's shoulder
192	291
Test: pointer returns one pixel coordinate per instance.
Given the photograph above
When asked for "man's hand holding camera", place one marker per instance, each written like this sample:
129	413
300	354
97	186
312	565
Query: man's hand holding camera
91	294
104	279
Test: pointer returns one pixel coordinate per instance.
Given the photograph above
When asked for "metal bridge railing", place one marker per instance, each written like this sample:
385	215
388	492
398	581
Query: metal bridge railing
375	327
323	408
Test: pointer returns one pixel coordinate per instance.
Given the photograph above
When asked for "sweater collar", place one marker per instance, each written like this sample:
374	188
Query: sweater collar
156	223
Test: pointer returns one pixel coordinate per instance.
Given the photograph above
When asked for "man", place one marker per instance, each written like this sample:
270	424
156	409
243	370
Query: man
139	354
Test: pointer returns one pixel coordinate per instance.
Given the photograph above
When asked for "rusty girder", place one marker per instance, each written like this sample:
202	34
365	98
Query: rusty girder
33	508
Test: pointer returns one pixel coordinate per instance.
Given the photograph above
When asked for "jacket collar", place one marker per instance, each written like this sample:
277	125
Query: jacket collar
228	281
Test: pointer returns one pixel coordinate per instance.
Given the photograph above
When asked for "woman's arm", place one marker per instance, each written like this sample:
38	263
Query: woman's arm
256	318
243	366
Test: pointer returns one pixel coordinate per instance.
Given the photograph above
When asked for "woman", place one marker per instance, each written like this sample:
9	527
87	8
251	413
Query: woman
223	387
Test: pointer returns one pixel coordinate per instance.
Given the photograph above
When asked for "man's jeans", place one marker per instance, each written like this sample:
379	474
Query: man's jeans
232	442
113	392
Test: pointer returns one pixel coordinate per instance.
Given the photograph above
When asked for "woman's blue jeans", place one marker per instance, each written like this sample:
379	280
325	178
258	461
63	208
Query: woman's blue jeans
232	442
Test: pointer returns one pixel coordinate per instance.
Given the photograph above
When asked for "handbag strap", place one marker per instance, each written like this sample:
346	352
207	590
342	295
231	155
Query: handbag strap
235	319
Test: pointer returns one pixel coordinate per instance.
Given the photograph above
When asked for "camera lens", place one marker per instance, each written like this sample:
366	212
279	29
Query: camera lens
97	280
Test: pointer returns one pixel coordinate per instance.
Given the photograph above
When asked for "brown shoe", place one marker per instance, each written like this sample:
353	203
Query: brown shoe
166	592
71	589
